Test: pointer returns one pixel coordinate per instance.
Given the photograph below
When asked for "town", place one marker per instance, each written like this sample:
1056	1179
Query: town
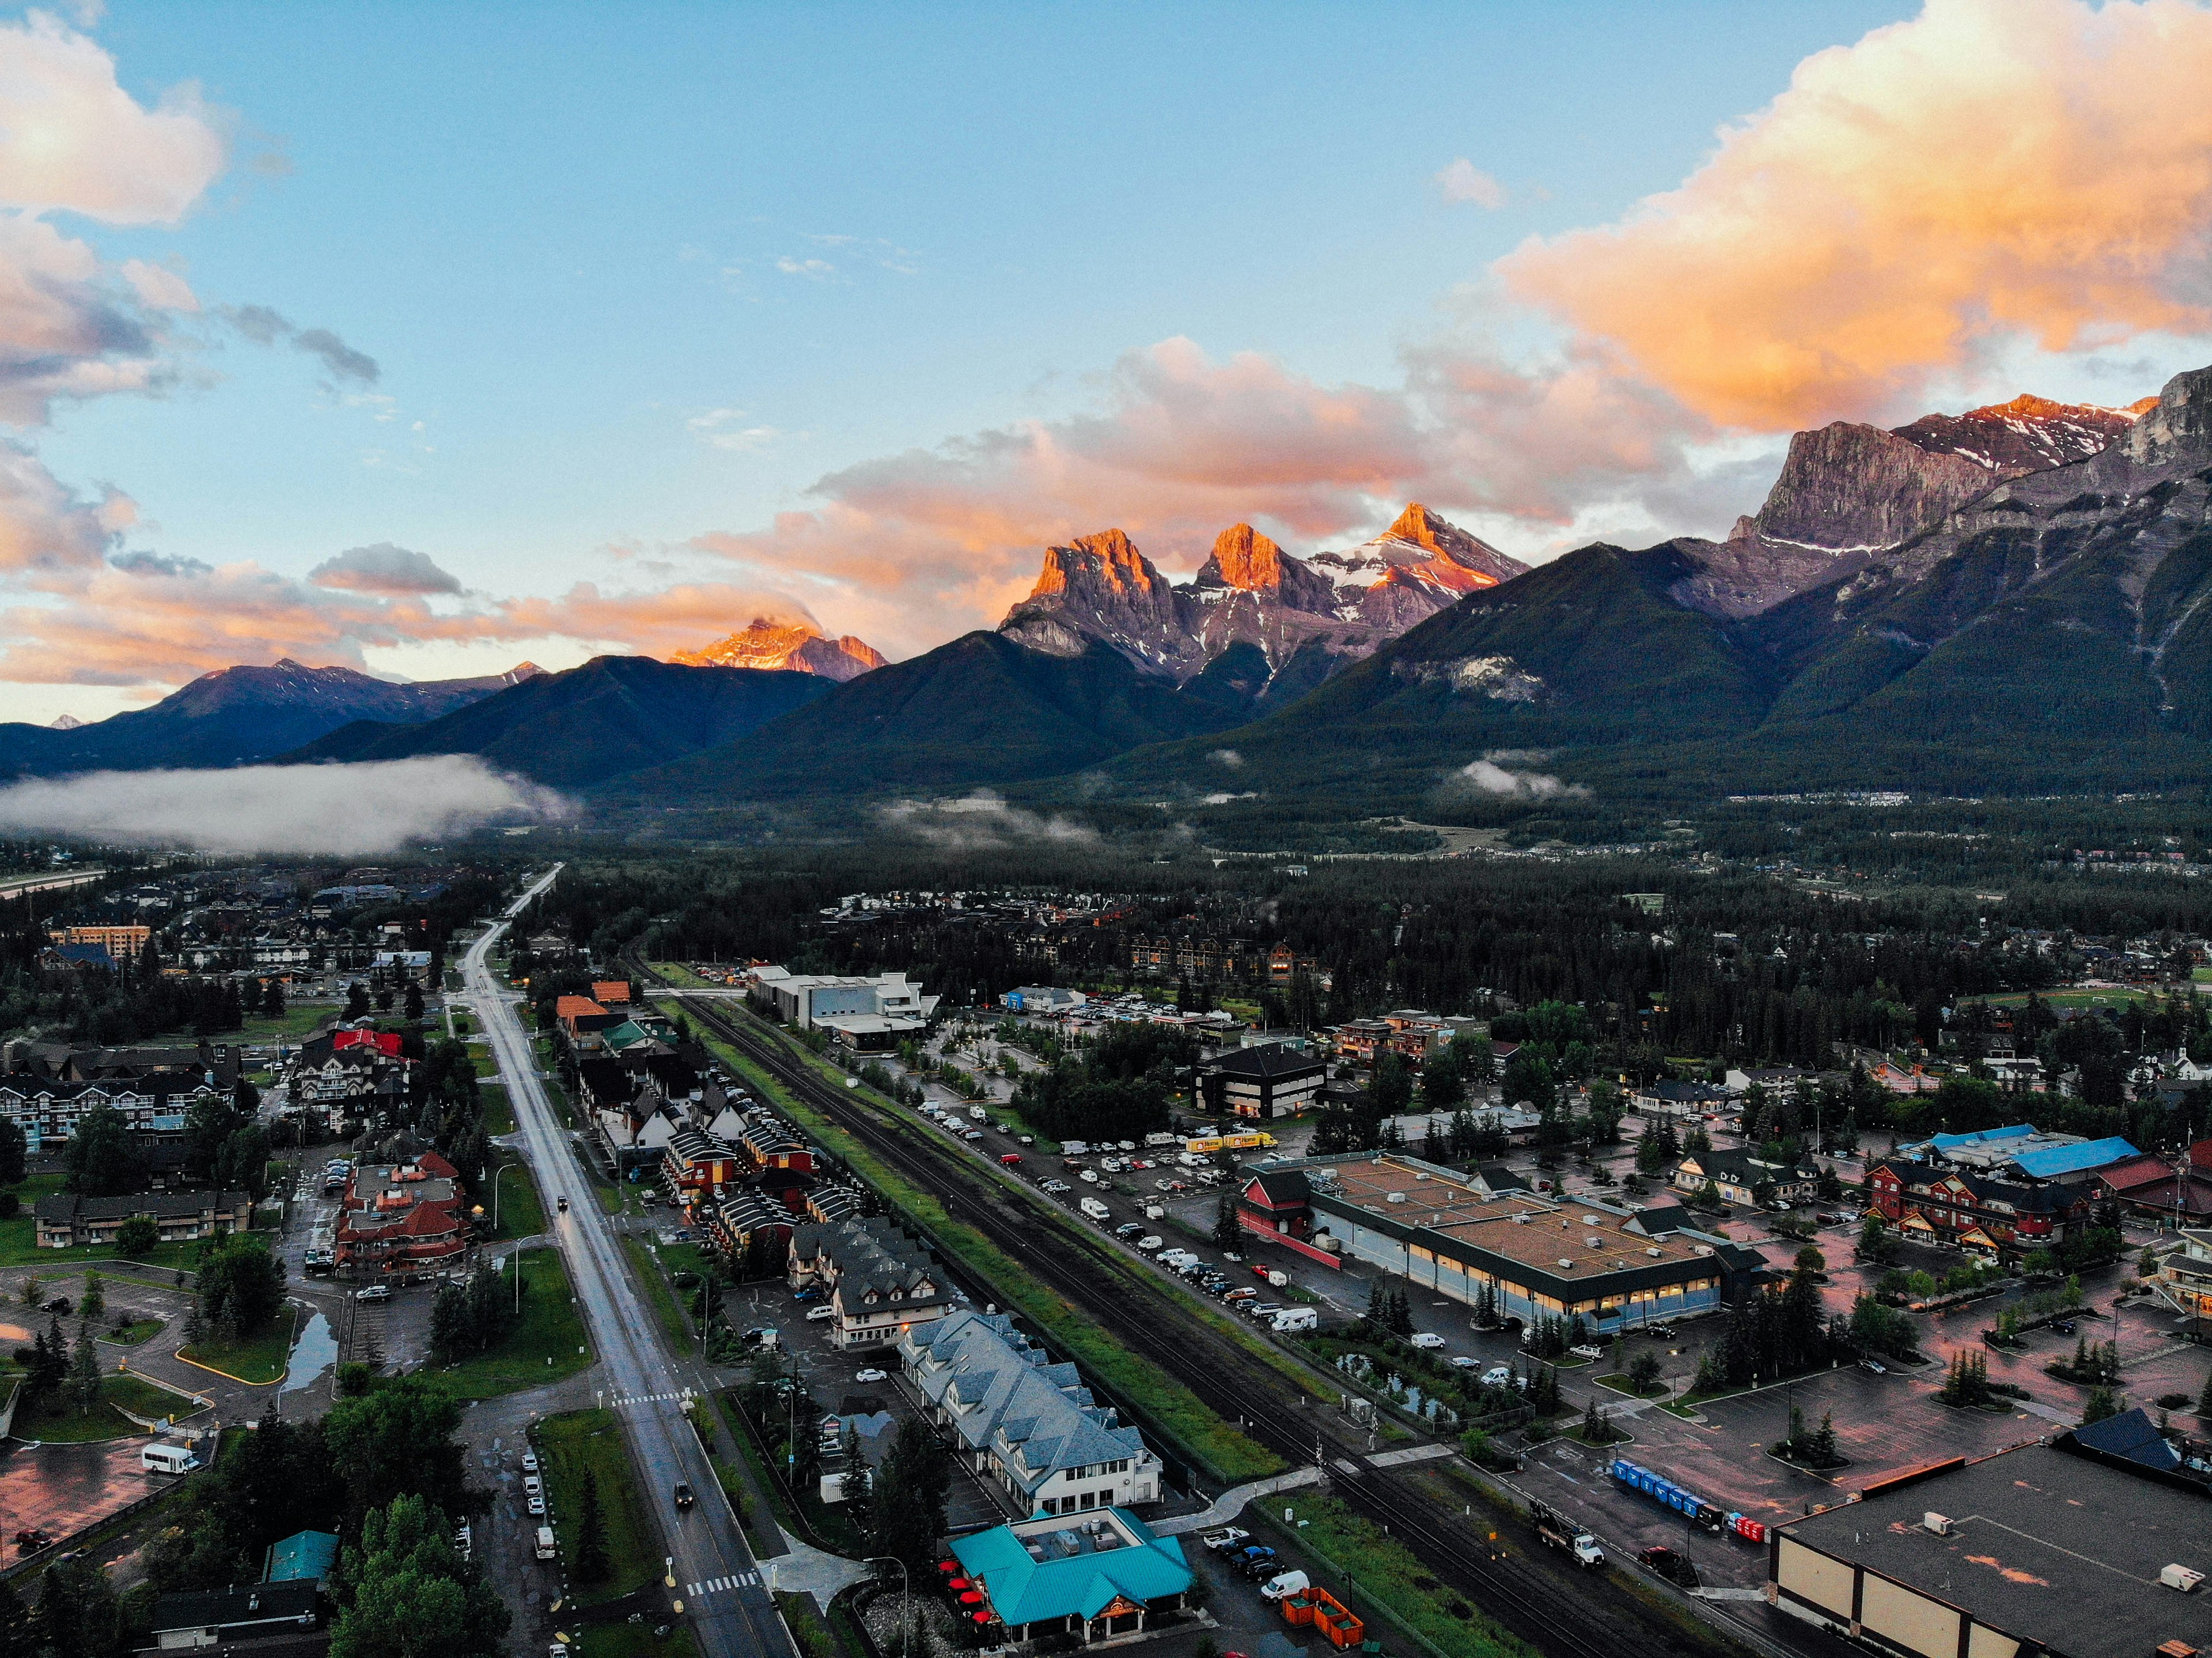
1485	1249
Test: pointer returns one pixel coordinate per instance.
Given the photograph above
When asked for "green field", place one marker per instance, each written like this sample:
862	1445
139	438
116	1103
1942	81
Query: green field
571	1443
296	1021
258	1359
1177	1411
659	1292
138	1330
551	1329
64	1426
498	1109
522	1212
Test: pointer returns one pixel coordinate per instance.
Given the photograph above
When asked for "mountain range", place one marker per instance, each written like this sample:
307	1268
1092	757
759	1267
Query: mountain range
2017	598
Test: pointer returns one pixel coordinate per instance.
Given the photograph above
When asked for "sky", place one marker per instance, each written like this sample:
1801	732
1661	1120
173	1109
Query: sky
426	338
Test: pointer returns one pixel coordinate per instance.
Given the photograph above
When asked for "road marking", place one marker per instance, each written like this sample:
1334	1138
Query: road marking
741	1580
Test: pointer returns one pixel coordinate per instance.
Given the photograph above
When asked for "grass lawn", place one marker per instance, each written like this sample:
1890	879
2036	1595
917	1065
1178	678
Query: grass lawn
726	1402
1173	1407
522	1212
659	1292
552	1328
138	1330
633	1641
260	1358
568	1445
1619	1382
297	1021
498	1109
65	1427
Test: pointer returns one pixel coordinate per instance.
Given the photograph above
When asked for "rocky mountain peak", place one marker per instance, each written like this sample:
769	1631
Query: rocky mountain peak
791	646
1243	558
1101	589
2028	434
1108	562
1461	562
2176	425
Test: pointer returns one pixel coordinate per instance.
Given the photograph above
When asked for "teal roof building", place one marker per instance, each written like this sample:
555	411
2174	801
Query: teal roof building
305	1556
1093	1574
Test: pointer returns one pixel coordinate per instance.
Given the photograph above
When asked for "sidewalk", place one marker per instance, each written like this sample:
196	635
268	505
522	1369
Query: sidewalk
1231	1504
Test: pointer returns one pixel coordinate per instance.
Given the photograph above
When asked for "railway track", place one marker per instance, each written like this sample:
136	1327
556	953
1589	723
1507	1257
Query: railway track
1271	1408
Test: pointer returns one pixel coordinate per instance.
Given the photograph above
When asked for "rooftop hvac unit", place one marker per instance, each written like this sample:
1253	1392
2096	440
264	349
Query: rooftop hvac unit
1705	1249
1396	1197
1418	1176
2185	1578
1938	1523
1589	1220
1520	1219
1655	1252
1565	1261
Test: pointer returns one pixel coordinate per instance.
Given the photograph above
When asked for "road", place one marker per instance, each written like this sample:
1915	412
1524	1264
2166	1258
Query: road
644	1383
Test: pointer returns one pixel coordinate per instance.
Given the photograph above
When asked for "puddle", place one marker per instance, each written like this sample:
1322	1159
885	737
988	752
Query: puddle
14	1333
313	1355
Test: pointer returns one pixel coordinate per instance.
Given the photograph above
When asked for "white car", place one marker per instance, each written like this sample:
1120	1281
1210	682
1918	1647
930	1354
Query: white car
1497	1376
1583	1351
1426	1341
817	1314
871	1375
529	1461
1463	1362
537	1505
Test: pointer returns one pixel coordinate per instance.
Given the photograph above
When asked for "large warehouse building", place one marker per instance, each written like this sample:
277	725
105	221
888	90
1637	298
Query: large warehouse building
2069	1549
1536	1256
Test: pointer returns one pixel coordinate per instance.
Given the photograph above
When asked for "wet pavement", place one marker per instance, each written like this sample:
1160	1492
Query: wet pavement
63	1489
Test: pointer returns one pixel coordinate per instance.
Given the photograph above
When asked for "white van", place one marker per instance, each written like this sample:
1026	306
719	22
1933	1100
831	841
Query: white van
546	1549
1291	1320
167	1459
1286	1585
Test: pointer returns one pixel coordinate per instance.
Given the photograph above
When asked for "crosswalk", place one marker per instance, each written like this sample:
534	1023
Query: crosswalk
742	1580
644	1399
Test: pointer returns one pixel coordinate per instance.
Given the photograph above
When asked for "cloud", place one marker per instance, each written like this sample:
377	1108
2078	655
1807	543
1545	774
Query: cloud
1487	776
72	139
1989	175
720	427
48	533
812	270
1228	757
1461	181
384	568
264	326
339	810
159	288
980	820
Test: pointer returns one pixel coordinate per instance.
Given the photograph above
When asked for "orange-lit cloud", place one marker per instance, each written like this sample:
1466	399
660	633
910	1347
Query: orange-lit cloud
1990	174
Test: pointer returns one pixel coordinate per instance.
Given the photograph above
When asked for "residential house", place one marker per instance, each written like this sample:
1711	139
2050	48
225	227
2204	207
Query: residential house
1738	1175
694	1166
881	1283
65	1219
1027	1423
1677	1100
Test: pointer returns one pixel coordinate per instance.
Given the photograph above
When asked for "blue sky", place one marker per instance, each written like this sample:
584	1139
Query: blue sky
632	276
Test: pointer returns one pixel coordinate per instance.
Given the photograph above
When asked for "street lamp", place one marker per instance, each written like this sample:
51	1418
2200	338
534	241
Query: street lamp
905	1599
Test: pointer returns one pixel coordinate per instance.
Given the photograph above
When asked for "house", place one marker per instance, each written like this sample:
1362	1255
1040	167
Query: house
1528	1257
611	993
48	1111
1026	1423
1275	1081
2064	1547
768	1142
740	1216
881	1282
694	1165
1973	1211
1677	1100
2185	1280
244	1620
1102	1577
1777	1082
1738	1176
65	1219
304	1556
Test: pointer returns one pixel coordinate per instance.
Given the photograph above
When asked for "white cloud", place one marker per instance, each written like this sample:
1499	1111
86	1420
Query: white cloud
981	819
1228	757
1461	181
812	270
1486	776
341	810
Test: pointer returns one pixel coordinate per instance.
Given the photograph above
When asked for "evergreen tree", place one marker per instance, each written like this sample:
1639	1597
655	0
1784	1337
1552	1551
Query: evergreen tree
18	1627
2103	1402
592	1561
413	1007
2204	1400
356	1005
79	1616
1227	1233
84	1373
93	1301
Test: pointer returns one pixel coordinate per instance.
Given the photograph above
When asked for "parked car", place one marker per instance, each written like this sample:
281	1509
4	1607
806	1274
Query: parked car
1426	1341
1663	1332
1257	1563
529	1461
1671	1564
872	1375
1584	1351
1226	1539
815	1314
1284	1584
1148	1243
1875	1365
1462	1362
536	1503
374	1292
1127	1229
1497	1376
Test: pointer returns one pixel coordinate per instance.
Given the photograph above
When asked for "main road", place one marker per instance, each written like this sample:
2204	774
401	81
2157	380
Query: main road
732	1615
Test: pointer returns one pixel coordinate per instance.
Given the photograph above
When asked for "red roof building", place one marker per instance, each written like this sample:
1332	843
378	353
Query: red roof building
385	1042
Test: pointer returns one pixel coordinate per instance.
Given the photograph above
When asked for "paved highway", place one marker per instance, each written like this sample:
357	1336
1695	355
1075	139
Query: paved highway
643	1383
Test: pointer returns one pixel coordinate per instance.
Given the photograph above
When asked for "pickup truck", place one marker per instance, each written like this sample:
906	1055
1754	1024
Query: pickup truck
1560	1533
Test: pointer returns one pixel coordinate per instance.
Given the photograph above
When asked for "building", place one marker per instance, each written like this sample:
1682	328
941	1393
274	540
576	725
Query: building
695	1166
1042	998
1971	1212
2175	1194
305	1556
123	941
1102	1577
48	1112
1777	1082
66	1220
1738	1177
402	1220
881	1282
254	1620
1278	1080
809	1000
2071	1548
2185	1280
2020	1151
1026	1423
1532	1257
1680	1101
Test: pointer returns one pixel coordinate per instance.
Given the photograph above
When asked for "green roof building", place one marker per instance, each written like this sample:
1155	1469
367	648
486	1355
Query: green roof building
1095	1574
305	1556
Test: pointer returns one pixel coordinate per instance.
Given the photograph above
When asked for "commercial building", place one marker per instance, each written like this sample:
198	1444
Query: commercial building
1042	998
2020	1151
1979	1213
48	1112
66	1219
881	1283
1098	1577
1531	1257
1029	1424
1739	1177
121	940
2085	1547
811	999
1277	1080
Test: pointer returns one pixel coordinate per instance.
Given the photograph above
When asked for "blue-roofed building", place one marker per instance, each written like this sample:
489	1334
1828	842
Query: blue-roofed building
1981	1137
2058	1162
1101	1574
305	1556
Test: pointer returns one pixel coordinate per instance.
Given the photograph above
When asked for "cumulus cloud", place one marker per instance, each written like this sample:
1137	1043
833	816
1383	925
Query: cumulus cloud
723	429
384	568
1988	175
1228	757
339	811
981	819
1461	181
1497	773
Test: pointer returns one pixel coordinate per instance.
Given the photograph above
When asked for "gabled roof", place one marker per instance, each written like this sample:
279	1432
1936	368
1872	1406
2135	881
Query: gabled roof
1268	1061
2131	1435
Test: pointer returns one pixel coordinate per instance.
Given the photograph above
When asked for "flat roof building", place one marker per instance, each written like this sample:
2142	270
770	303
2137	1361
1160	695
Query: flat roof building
1535	1257
2063	1548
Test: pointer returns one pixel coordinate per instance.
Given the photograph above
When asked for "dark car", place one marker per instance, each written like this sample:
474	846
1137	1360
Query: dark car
61	1304
1256	1562
1671	1564
684	1499
2064	1326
